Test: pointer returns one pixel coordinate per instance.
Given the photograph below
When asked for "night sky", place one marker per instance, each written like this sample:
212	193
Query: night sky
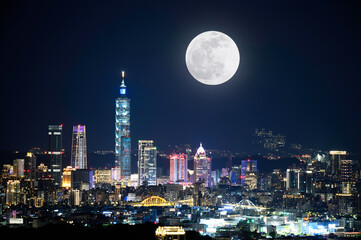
299	75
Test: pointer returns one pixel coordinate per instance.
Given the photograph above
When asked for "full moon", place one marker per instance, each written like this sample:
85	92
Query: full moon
212	58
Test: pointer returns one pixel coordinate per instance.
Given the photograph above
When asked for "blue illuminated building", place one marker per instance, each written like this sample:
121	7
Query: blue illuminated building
247	167
122	133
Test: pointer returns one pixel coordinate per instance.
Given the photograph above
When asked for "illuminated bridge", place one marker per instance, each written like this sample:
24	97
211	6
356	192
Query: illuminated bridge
246	204
153	201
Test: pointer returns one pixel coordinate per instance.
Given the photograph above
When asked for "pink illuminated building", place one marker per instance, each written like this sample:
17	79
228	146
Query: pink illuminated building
178	167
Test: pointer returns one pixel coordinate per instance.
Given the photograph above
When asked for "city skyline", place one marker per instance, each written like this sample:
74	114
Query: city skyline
331	177
181	120
291	79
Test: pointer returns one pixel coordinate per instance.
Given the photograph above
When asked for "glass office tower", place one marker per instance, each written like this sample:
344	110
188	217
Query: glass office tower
30	166
122	133
335	160
79	158
249	174
147	162
55	133
178	168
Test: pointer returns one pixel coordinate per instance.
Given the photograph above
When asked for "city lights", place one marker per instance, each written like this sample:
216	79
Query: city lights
236	121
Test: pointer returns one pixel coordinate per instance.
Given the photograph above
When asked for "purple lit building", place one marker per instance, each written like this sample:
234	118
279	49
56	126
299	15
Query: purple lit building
79	148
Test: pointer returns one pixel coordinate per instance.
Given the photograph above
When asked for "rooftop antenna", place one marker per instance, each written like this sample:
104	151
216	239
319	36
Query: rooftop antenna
123	83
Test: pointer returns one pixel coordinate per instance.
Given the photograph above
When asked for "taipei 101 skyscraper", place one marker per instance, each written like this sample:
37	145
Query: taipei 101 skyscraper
122	134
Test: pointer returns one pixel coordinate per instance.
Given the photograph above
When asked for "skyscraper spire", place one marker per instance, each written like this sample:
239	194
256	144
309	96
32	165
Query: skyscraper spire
200	150
122	85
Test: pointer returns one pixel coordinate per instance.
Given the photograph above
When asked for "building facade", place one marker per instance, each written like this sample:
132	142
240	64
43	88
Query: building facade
202	167
55	133
335	160
18	168
79	159
147	162
122	133
178	168
249	173
292	179
13	193
305	181
66	183
30	166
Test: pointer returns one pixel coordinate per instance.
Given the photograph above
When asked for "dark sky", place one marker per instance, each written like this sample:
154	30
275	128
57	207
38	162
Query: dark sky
300	72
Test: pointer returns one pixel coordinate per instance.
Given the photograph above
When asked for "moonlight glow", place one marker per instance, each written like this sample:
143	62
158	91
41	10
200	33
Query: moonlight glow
212	58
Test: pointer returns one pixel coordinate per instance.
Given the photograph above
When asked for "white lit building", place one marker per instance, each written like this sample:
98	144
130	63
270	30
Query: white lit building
202	167
147	162
79	159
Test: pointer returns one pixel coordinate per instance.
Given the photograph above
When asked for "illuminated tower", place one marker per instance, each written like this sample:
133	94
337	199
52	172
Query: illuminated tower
18	168
249	174
122	133
335	160
13	192
30	166
147	162
55	133
78	148
292	179
178	167
202	167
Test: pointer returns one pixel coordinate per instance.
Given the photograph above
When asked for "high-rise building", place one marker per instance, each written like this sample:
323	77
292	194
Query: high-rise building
55	133
66	183
178	168
298	181
249	173
304	181
82	179
147	162
347	176
346	171
235	175
335	158
75	197
122	133
292	179
13	193
79	148
18	168
102	176
30	166
202	167
7	171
